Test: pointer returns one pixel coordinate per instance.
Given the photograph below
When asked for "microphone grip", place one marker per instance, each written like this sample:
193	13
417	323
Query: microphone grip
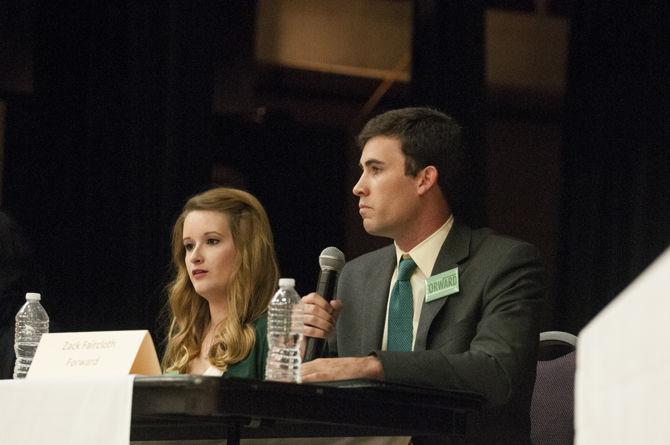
326	284
315	347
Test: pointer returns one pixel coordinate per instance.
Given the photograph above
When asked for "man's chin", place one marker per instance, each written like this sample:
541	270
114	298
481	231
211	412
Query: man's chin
374	230
369	227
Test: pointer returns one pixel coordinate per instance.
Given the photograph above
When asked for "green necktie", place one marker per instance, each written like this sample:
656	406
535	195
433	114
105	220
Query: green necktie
401	309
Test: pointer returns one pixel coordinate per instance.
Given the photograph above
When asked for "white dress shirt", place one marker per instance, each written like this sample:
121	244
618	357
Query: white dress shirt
424	255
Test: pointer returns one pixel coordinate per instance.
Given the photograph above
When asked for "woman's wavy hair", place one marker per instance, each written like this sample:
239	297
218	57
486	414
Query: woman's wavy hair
250	288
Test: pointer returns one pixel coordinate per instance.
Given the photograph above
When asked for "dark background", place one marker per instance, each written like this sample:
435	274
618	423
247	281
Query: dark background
118	130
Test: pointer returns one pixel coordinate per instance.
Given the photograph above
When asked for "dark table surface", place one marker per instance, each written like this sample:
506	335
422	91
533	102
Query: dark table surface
199	407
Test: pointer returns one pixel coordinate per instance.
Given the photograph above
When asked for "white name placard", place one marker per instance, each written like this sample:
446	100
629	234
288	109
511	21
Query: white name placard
102	353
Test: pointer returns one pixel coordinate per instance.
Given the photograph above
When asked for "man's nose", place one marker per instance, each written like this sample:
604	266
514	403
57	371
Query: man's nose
359	187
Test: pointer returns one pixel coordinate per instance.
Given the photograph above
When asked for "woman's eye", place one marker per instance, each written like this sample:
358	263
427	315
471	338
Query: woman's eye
212	241
188	247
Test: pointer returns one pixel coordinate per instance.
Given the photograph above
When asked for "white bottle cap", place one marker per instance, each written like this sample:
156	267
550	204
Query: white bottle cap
32	296
286	282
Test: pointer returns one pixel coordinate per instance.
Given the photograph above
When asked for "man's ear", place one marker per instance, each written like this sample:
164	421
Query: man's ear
426	179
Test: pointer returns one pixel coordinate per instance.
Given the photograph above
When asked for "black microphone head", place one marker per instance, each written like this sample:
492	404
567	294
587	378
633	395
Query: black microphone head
331	258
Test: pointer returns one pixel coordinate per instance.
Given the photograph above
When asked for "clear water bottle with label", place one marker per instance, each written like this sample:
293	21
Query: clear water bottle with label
285	318
31	322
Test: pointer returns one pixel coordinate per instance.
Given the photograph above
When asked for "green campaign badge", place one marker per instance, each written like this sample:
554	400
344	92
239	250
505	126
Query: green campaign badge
441	285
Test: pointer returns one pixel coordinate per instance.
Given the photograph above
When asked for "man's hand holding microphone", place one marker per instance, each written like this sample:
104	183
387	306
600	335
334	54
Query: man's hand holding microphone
321	312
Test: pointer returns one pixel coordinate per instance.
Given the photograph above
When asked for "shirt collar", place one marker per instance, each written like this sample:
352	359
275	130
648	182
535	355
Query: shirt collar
425	253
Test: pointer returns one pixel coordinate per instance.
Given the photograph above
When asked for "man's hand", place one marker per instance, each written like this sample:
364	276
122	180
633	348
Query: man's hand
320	315
344	368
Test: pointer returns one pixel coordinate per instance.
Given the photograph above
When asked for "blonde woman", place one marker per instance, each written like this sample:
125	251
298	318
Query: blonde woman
225	275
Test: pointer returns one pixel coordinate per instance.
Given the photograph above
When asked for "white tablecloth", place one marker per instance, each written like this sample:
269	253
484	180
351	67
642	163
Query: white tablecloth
66	411
622	387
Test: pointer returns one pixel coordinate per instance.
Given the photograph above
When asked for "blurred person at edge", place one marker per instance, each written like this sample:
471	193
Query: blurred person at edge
18	275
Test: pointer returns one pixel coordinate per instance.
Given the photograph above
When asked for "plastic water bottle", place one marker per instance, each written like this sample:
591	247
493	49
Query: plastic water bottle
31	322
285	317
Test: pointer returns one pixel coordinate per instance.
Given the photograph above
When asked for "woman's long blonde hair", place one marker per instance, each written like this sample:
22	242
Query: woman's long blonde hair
250	288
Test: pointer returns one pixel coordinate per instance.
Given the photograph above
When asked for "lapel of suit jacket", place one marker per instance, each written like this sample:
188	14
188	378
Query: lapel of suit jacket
455	248
378	286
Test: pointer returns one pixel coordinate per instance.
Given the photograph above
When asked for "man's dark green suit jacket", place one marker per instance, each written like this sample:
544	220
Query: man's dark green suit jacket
483	338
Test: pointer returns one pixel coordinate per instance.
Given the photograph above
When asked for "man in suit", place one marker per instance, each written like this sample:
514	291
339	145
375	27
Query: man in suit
444	306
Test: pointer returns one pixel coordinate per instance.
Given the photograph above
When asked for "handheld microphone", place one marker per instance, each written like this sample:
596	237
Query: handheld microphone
331	261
